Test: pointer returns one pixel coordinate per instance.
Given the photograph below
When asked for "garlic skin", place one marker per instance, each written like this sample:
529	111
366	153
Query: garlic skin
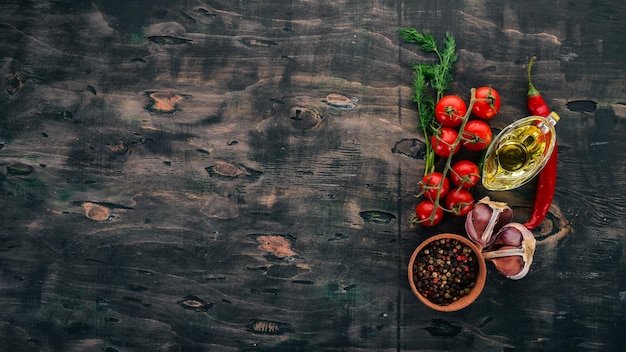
513	250
485	219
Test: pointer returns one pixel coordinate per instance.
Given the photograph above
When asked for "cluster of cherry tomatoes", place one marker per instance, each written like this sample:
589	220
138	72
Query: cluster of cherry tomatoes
450	190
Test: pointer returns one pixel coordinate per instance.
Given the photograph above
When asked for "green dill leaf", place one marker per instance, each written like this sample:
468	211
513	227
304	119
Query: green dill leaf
429	70
431	80
425	104
448	53
442	73
420	84
440	81
406	34
426	113
409	35
429	43
426	41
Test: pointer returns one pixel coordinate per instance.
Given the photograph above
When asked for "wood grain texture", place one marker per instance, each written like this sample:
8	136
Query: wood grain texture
240	175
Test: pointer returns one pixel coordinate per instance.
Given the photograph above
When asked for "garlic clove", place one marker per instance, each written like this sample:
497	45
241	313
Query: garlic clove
508	236
510	265
512	250
485	219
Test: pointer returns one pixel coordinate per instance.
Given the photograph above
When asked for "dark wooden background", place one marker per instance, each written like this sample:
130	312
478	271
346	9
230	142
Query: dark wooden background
229	175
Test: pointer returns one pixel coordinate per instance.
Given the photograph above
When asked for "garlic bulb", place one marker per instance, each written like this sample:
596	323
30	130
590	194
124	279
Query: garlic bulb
487	218
512	250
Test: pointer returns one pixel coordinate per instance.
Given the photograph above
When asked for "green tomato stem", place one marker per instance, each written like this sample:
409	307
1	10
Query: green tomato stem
453	146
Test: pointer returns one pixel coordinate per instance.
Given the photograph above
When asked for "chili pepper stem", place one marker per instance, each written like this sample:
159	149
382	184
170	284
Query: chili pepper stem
532	91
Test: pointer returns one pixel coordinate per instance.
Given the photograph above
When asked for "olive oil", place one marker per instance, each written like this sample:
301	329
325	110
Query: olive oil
519	152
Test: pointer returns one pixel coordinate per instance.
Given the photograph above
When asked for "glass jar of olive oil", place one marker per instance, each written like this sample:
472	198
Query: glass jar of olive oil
519	152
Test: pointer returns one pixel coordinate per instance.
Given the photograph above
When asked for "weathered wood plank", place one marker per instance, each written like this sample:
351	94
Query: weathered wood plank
234	176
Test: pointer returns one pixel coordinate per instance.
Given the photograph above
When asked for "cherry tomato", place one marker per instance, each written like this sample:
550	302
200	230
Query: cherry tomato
487	104
459	201
464	174
427	214
450	111
476	135
434	183
443	140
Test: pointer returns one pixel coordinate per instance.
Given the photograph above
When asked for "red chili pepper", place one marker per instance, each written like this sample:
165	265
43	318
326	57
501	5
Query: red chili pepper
535	103
546	181
546	184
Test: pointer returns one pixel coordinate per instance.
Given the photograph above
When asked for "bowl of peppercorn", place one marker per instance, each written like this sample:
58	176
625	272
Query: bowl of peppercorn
447	272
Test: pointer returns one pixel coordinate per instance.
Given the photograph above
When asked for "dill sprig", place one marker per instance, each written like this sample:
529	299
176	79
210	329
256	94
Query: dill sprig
430	81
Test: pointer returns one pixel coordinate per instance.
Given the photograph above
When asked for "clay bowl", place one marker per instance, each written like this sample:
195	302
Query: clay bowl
463	300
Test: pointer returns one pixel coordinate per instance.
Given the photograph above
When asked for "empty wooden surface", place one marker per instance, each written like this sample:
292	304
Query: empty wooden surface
240	175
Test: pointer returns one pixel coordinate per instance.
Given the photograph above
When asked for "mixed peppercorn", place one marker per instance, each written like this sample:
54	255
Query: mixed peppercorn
445	270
